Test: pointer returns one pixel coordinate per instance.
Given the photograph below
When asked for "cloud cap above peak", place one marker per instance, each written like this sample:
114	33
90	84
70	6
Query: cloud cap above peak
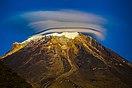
43	20
64	15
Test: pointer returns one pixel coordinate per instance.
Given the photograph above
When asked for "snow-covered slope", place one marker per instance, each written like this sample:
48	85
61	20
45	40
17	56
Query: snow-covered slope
70	35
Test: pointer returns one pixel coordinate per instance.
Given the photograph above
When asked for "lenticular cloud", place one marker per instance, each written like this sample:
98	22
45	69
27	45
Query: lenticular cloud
66	21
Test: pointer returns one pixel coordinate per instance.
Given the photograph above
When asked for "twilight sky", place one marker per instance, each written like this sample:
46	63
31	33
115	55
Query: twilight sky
116	12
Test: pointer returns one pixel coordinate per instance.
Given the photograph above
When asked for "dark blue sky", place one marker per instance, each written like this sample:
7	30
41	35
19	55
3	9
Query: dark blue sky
117	12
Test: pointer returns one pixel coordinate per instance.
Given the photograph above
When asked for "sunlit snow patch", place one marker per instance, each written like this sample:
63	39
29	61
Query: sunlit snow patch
70	35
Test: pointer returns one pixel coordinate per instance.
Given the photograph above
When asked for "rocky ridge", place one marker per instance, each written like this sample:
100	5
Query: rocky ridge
59	61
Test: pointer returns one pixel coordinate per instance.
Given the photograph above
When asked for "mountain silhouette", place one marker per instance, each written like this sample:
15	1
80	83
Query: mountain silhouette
65	62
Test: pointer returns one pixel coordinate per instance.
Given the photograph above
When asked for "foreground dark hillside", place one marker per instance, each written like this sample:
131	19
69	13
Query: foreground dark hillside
8	79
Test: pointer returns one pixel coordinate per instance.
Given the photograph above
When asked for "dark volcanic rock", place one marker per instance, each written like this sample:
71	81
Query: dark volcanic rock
9	79
59	62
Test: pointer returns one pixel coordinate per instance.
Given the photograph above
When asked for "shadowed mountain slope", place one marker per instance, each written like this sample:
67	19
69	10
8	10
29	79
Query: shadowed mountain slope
61	62
8	79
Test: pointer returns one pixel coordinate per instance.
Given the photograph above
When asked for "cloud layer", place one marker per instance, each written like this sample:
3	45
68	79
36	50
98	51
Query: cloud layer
65	20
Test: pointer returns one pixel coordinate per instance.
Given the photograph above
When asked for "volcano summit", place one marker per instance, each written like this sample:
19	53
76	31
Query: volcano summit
68	60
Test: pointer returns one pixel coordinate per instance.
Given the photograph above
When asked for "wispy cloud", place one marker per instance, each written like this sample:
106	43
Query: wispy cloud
49	21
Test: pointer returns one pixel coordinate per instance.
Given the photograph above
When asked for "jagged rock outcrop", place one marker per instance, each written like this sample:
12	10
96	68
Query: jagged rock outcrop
61	62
